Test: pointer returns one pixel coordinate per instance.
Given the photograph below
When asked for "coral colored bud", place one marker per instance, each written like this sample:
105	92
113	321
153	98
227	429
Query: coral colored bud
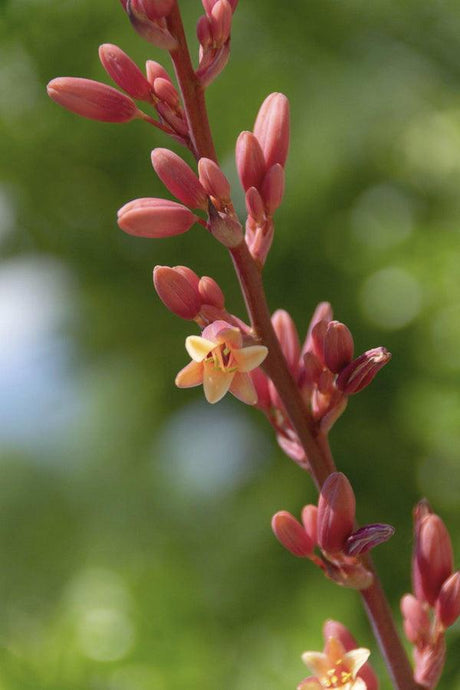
434	556
288	337
213	179
250	161
312	369
211	293
204	31
150	217
189	275
124	72
92	99
417	622
260	381
179	178
176	292
209	4
226	230
221	22
291	534
340	632
323	312
255	205
429	663
448	602
318	335
362	370
368	537
154	70
338	346
170	116
310	521
336	513
272	129
144	18
157	9
273	188
166	91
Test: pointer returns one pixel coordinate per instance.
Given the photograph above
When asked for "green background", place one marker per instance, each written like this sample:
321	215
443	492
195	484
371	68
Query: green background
135	543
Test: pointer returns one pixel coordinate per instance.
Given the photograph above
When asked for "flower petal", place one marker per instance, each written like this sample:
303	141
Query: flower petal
310	683
358	684
189	376
318	662
198	347
250	357
215	382
243	388
356	658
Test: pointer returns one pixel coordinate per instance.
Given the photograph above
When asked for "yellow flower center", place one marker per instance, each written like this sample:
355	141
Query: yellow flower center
222	359
336	677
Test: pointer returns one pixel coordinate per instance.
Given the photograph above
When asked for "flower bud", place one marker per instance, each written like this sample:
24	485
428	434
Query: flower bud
362	370
336	513
434	556
92	99
210	292
310	521
165	90
154	70
179	178
312	369
124	72
318	335
272	129
221	22
288	337
417	622
429	663
226	230
176	293
323	312
368	537
338	346
143	15
273	188
250	161
213	179
291	534
448	601
255	205
149	217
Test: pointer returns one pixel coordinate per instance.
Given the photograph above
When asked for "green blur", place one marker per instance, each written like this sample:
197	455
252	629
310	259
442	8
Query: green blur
130	560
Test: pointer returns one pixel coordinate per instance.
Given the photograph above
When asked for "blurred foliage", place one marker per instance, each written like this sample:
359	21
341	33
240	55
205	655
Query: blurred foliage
135	545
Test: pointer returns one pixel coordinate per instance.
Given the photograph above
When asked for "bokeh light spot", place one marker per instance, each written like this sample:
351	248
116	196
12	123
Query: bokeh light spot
382	217
391	298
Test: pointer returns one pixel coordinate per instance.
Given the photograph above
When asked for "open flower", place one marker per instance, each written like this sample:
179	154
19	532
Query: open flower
220	363
335	668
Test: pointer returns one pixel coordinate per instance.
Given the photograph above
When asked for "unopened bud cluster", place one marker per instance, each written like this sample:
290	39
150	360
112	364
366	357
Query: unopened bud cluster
434	604
329	527
325	371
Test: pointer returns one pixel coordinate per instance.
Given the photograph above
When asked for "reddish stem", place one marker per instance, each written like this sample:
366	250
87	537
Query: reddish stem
314	443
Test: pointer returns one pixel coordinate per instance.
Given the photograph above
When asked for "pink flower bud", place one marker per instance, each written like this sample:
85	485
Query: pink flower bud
154	70
260	382
149	217
434	556
124	72
170	116
204	31
225	229
368	537
362	370
448	602
323	312
255	205
144	19
221	22
272	129
92	99
179	178
417	622
176	293
310	521
213	179
209	4
273	188
211	293
189	275
312	369
287	335
336	513
157	9
338	346
250	161
165	90
429	663
318	335
291	534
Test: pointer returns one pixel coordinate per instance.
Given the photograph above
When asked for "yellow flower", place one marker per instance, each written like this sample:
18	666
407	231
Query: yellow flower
220	363
335	668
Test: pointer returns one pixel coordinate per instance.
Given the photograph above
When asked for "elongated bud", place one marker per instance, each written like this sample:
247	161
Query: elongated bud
336	513
310	521
176	292
417	622
211	293
338	346
124	72
225	229
433	552
273	188
150	217
179	178
291	534
340	632
362	370
213	179
255	205
318	335
260	381
143	15
250	161
209	4
92	99
287	335
203	31
448	602
154	70
312	369
221	22
368	537
166	91
170	116
323	312
272	129
429	663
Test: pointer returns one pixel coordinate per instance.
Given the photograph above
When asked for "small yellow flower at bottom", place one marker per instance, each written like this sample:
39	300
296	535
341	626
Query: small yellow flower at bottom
334	668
